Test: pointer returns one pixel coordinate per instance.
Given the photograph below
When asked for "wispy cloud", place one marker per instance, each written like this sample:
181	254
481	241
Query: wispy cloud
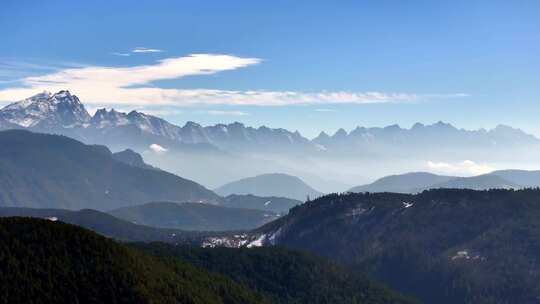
121	54
230	113
146	50
466	167
325	110
133	86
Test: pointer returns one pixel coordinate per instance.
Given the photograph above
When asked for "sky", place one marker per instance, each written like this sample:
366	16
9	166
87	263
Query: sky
310	66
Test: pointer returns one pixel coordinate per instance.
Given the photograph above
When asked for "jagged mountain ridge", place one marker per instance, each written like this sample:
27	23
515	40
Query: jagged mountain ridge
64	113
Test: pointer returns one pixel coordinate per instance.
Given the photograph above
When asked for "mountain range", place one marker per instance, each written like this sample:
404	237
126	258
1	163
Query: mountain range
274	184
215	155
64	113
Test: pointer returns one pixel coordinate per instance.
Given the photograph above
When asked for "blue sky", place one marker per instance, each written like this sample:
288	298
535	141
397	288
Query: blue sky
302	65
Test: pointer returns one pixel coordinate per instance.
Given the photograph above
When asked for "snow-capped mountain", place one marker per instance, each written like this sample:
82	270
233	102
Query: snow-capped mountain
435	136
64	113
47	110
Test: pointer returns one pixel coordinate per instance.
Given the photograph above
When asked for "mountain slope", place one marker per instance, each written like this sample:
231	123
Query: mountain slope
403	183
444	246
281	275
275	184
194	216
279	205
131	158
48	262
49	171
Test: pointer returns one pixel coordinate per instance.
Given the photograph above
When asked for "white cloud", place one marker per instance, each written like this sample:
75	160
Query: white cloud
145	50
325	110
133	86
157	149
121	54
466	167
231	113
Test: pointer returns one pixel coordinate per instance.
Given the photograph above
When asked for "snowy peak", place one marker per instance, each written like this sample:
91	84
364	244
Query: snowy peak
61	109
103	118
23	104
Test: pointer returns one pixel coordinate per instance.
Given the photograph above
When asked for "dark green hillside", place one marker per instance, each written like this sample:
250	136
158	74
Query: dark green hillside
194	216
51	262
282	275
445	246
49	171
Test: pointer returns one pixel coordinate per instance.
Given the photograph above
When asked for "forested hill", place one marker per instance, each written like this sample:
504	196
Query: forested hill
444	246
283	276
42	261
51	262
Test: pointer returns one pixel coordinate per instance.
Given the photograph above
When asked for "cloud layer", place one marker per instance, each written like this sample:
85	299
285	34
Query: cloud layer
466	167
133	86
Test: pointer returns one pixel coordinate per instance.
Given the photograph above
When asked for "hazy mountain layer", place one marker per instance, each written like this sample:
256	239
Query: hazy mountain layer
106	224
420	181
214	155
49	171
275	184
194	216
279	205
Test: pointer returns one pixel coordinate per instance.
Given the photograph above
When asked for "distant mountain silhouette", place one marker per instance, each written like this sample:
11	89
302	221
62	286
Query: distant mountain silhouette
194	216
274	184
480	182
279	205
419	181
403	183
521	177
